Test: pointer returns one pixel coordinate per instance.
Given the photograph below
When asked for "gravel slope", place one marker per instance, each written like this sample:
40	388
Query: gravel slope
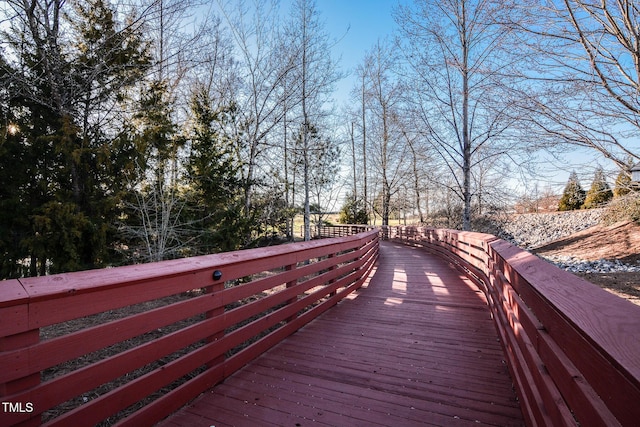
608	256
530	231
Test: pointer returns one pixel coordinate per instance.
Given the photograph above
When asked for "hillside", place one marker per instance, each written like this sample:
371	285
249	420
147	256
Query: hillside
533	230
608	256
619	241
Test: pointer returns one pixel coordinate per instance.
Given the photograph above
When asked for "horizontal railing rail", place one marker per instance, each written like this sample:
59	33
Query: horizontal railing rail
78	348
327	231
573	349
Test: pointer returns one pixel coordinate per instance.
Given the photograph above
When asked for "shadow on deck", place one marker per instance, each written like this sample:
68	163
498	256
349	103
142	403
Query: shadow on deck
416	345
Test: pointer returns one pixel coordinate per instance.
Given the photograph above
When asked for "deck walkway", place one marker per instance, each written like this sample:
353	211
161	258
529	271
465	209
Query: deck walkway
415	346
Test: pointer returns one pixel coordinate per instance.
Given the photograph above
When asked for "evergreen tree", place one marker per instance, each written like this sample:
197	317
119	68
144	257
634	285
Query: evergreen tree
10	184
215	179
158	137
30	164
74	65
573	196
15	190
156	227
107	63
599	193
624	185
353	211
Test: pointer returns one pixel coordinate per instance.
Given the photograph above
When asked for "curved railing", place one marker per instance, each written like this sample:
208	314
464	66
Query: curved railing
573	349
327	231
77	348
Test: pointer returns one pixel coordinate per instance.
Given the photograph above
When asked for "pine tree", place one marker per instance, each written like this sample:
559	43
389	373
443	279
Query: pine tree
624	185
17	161
215	179
573	196
74	64
353	211
599	193
156	228
107	62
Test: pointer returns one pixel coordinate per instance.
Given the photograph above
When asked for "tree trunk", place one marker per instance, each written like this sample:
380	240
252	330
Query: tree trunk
416	178
305	130
466	137
287	197
364	149
307	208
386	190
353	161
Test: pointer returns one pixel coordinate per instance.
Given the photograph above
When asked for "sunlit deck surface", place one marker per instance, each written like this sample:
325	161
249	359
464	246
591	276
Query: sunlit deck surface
415	346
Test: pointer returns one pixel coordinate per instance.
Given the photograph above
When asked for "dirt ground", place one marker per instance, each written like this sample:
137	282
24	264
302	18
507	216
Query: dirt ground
619	241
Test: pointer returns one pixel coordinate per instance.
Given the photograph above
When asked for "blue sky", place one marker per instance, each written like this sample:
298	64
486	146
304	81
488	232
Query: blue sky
359	24
366	22
356	25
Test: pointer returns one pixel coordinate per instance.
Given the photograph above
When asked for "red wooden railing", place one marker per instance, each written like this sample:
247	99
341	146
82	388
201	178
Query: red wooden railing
573	349
324	232
204	333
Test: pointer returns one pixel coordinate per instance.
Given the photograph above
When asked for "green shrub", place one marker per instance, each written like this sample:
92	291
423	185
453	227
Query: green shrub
623	208
623	184
354	211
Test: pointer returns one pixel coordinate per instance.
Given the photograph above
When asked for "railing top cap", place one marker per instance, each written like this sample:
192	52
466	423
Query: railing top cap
82	281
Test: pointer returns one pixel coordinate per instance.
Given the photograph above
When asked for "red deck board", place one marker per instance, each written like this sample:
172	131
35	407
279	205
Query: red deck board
387	366
415	346
396	410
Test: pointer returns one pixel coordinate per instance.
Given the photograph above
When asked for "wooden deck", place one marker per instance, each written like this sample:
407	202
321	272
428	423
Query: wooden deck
414	346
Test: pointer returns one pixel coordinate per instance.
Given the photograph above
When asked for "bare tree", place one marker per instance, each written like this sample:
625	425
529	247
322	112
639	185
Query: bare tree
454	50
416	175
161	231
316	72
354	169
262	69
324	163
356	112
585	75
363	116
386	144
216	70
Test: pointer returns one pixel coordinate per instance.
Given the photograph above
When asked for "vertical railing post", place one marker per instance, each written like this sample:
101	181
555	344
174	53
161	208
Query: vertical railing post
291	284
217	286
15	335
333	267
11	409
